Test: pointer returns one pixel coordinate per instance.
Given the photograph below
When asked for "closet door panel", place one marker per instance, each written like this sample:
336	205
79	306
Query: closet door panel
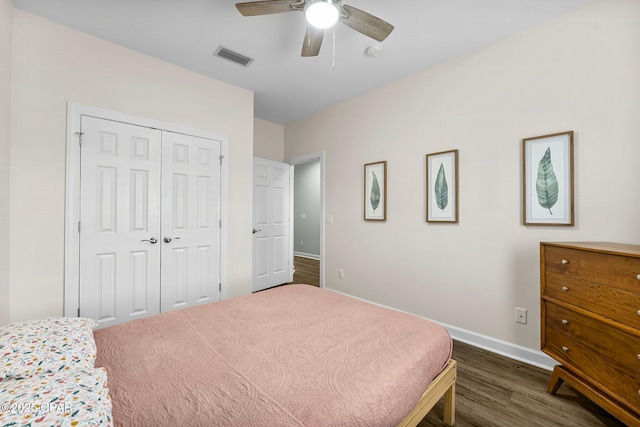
119	216
190	270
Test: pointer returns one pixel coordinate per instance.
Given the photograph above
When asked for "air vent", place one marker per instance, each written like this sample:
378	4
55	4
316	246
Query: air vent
230	55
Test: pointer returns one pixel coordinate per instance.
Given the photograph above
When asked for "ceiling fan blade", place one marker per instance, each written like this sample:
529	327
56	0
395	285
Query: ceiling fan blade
366	24
312	41
255	8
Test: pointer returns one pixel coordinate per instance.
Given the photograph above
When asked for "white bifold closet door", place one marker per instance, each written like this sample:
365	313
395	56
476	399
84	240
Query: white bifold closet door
149	221
190	221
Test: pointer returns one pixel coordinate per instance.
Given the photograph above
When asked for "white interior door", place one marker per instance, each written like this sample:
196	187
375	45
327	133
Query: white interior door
190	220
119	221
272	249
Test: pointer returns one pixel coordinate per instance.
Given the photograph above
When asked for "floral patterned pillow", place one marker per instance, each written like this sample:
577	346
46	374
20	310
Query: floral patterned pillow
52	344
75	398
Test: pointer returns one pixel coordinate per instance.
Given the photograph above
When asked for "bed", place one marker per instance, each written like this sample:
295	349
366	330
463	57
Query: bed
294	355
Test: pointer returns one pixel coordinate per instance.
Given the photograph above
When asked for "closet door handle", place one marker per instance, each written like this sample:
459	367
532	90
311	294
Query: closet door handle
254	231
152	240
168	239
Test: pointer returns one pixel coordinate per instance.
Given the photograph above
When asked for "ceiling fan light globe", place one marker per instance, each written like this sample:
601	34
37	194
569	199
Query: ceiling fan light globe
322	14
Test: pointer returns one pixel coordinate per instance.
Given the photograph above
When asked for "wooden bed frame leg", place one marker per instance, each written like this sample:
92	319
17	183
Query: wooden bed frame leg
443	385
449	415
556	380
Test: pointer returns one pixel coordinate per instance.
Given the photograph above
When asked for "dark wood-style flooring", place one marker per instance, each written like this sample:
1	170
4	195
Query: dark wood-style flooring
307	271
493	390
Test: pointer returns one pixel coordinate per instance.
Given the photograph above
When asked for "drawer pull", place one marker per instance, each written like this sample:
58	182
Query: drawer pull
638	356
565	289
565	348
564	261
638	277
565	322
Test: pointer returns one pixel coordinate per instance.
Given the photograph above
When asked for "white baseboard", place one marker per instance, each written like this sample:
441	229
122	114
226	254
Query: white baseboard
305	255
504	348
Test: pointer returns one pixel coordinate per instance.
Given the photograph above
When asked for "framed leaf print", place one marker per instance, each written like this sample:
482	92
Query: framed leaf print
548	179
375	191
442	186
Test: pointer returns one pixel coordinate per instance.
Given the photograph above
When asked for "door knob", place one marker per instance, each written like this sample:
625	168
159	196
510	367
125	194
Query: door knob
152	240
254	231
168	239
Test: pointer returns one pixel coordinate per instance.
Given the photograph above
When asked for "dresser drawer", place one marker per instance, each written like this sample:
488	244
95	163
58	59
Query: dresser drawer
605	283
566	266
604	373
616	304
607	340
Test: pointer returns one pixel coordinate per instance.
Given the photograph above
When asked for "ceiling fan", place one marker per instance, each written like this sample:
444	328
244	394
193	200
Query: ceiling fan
321	14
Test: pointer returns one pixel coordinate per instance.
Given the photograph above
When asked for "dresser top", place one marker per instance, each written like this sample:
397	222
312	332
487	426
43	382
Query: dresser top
607	247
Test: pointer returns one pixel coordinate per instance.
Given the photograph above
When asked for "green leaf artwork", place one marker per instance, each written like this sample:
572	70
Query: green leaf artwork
547	183
375	192
442	189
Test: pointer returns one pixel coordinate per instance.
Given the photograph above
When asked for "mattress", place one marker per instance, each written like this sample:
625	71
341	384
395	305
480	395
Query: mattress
294	355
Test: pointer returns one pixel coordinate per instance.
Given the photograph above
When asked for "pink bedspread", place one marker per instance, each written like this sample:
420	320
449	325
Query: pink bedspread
290	356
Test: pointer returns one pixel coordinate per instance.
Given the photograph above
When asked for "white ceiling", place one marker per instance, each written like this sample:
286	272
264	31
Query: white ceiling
287	86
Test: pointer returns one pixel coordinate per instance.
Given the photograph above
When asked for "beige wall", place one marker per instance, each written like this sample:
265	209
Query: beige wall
52	65
6	24
268	140
579	72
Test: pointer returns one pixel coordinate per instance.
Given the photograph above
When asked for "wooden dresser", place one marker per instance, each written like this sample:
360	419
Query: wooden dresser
590	322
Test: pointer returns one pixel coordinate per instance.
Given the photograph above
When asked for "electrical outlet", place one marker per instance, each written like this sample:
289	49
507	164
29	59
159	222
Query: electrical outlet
329	219
521	315
301	242
340	273
303	216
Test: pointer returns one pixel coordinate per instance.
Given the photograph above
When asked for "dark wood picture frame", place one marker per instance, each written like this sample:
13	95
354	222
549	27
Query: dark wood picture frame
442	187
547	180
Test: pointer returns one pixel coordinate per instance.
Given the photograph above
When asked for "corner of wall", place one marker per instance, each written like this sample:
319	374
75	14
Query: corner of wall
268	140
6	55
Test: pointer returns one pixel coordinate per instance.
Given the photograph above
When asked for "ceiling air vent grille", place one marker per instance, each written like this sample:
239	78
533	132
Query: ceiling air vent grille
230	55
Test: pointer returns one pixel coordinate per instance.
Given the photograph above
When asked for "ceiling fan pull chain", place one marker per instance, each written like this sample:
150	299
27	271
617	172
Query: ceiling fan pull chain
334	47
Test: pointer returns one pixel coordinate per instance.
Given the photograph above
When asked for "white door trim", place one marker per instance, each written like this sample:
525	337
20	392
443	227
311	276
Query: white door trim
72	203
306	159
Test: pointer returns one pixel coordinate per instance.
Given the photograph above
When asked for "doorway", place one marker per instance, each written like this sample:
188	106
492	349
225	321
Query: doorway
308	222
